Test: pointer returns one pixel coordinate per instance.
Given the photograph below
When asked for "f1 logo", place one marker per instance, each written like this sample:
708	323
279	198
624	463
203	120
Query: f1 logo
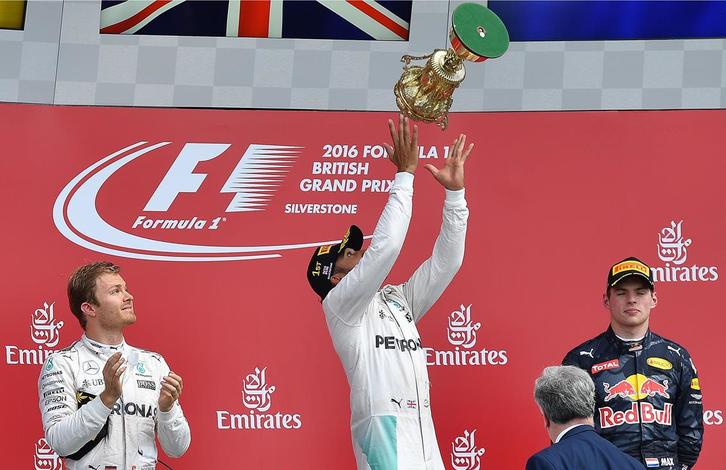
180	178
260	164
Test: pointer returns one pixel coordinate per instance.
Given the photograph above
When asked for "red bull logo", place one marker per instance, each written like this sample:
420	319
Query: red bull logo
652	388
643	412
636	387
622	389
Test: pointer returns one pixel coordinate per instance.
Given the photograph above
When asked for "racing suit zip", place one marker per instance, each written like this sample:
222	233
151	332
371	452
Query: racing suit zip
123	425
637	382
415	378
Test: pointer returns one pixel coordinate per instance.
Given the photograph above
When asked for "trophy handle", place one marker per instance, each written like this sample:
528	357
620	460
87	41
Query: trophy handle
406	59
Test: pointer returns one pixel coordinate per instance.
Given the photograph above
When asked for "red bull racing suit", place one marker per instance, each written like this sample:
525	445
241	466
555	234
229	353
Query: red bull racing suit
79	427
647	397
374	333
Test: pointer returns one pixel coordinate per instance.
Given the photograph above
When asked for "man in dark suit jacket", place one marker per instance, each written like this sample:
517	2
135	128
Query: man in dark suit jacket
566	397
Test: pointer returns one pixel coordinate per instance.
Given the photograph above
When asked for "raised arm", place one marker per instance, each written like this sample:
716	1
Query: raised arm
434	275
350	297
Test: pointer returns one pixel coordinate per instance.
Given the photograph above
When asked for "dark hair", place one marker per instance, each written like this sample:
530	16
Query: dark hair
82	284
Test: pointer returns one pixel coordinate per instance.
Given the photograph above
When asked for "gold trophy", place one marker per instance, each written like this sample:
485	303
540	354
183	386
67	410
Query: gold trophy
424	93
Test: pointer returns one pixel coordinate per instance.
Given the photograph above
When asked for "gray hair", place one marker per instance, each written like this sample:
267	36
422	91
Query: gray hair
565	393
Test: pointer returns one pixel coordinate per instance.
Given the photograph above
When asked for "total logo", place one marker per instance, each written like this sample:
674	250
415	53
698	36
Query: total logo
45	333
257	398
673	251
636	387
154	225
462	334
45	458
464	453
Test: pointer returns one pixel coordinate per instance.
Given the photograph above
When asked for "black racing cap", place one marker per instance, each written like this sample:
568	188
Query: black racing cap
323	261
629	267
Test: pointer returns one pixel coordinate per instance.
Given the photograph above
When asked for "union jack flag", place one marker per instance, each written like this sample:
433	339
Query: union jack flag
298	19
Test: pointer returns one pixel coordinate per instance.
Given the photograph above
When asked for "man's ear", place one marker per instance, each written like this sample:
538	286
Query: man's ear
335	278
605	300
88	309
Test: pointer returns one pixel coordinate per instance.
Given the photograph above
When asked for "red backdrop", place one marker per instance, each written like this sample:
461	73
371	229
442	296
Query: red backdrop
555	198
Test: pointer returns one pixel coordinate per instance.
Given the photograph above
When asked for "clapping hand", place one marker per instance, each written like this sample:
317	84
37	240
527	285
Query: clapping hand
171	389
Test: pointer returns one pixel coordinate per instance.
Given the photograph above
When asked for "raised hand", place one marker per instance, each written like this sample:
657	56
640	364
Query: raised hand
404	153
171	389
112	370
451	176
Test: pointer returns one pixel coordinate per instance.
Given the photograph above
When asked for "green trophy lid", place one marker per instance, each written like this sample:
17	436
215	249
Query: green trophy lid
480	30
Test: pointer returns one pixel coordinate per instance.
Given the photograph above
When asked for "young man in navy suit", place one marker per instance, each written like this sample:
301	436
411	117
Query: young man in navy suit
566	397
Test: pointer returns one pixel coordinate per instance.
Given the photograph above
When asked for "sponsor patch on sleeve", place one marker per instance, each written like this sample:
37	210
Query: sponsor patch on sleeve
659	363
695	385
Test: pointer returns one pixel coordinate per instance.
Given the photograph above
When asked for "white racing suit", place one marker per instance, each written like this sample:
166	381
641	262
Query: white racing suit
374	333
73	414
